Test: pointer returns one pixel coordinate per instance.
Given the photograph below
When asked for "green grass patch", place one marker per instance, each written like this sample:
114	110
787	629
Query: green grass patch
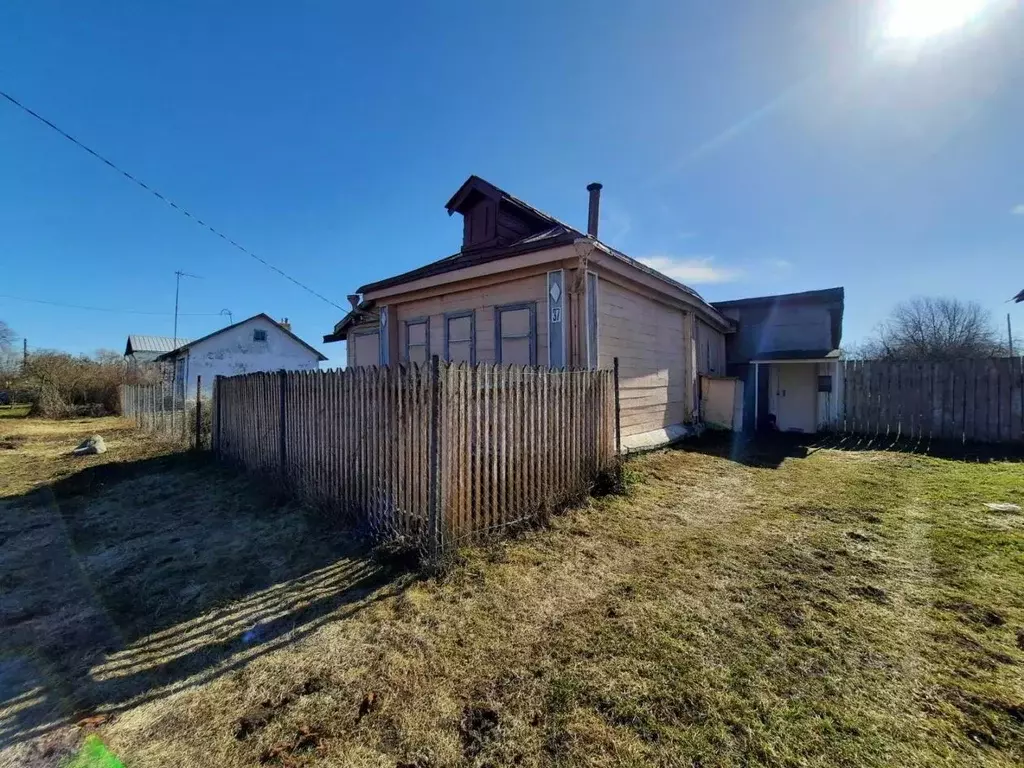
16	411
94	754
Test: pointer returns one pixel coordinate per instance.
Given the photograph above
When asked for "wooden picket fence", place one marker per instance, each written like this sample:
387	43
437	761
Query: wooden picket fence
436	454
962	400
166	410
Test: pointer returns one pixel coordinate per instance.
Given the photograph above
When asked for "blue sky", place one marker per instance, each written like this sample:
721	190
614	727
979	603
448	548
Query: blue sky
746	147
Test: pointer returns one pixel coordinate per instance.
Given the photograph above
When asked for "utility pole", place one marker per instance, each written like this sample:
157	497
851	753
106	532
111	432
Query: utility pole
24	355
1009	333
177	289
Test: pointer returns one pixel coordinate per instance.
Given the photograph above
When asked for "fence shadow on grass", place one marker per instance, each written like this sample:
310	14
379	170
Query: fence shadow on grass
771	450
953	450
131	581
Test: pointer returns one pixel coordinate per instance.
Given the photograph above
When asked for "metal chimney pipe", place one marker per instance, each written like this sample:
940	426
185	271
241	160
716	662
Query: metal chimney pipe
595	208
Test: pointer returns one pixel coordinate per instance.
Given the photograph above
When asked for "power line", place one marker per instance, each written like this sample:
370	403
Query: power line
105	309
165	199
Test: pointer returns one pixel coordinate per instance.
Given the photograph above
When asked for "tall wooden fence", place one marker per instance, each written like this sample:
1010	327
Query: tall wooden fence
962	400
434	454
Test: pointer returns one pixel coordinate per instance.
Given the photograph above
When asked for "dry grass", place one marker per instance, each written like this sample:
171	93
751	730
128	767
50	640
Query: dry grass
839	608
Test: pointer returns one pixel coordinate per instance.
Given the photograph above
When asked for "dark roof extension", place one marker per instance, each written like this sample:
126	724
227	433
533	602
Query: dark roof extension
822	296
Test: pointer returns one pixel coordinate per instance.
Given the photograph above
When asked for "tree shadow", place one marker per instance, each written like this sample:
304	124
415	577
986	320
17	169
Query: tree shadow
130	581
770	450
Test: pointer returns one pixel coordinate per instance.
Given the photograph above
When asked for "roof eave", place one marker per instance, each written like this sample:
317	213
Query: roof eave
483	258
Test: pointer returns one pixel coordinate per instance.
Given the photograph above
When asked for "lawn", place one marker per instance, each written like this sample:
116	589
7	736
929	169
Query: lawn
16	411
783	606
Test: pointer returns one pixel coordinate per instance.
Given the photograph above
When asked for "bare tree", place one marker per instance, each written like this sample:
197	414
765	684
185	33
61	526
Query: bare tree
930	328
7	337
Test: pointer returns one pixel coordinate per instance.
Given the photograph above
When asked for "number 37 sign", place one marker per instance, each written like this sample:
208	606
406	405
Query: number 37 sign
556	314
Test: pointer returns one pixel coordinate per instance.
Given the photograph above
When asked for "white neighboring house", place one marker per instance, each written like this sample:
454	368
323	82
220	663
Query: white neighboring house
257	344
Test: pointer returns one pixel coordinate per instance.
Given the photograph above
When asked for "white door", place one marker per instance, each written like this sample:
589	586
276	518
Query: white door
796	397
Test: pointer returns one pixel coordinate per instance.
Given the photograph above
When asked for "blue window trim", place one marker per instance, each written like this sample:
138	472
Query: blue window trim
557	342
471	314
385	336
424	320
532	335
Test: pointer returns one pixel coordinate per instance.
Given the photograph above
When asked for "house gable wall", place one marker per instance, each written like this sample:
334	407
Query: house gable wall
234	352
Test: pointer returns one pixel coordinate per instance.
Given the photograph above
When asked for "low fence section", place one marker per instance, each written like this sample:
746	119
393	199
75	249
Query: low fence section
435	454
166	411
961	400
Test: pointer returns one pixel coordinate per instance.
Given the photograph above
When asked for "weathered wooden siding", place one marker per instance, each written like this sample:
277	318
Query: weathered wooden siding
482	301
710	350
367	325
962	401
512	443
649	338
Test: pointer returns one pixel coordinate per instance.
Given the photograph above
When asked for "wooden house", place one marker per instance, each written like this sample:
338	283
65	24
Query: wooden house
526	288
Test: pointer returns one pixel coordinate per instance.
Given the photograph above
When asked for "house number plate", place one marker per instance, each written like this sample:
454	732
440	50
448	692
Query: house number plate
556	314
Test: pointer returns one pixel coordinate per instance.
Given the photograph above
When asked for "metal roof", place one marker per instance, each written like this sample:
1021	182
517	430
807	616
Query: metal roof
141	343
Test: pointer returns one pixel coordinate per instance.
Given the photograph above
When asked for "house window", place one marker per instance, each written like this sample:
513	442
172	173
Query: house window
516	334
417	340
259	335
460	337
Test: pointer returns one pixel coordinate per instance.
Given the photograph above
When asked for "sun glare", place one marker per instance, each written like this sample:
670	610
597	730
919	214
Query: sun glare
918	19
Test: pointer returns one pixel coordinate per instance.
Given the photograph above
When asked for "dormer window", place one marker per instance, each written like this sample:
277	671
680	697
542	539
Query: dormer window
492	217
259	335
478	225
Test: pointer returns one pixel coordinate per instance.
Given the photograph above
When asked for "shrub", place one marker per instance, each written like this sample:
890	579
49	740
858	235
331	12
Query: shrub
64	385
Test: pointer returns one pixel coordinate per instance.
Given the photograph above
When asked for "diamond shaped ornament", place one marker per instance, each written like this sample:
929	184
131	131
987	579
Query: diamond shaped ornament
556	292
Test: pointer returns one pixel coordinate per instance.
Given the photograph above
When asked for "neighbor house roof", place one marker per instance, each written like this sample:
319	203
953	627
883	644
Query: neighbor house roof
1019	297
141	343
261	315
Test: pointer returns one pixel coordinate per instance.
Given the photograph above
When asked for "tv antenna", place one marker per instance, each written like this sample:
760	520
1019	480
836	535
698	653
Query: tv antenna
177	289
231	318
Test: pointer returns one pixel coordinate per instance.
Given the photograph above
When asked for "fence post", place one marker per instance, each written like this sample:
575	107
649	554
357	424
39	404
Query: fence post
434	483
199	410
618	424
282	378
215	437
618	410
